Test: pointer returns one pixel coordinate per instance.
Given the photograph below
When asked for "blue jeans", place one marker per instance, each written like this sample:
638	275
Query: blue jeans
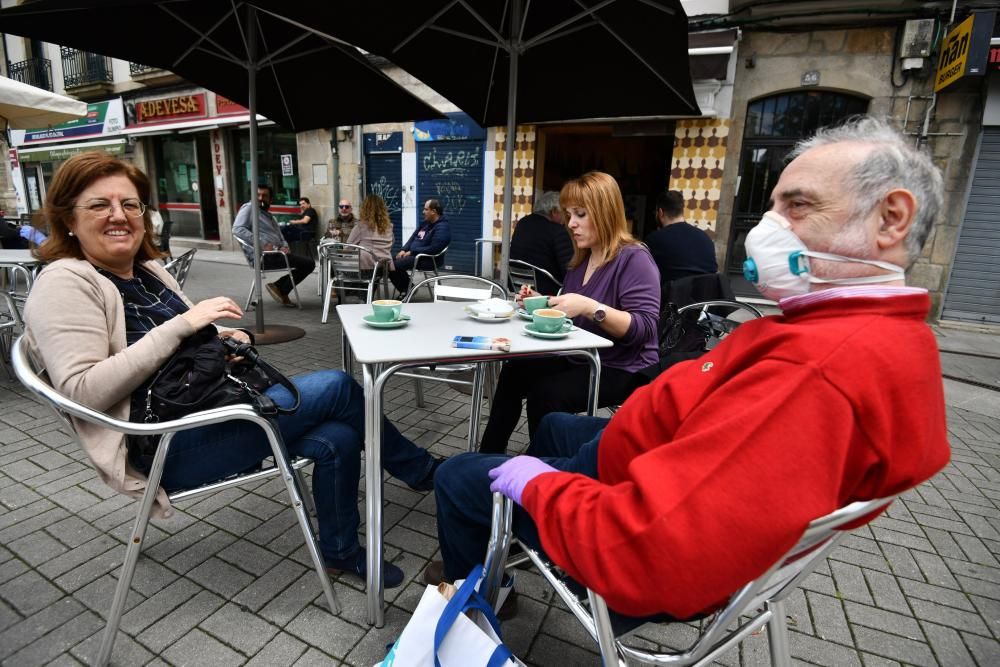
328	427
462	488
464	501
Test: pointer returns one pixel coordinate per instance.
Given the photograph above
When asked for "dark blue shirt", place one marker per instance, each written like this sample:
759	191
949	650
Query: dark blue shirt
681	250
148	302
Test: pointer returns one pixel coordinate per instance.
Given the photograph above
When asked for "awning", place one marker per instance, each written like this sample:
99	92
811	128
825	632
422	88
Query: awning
709	52
190	125
59	152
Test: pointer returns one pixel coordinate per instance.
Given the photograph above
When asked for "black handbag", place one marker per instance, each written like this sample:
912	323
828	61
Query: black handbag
204	372
199	377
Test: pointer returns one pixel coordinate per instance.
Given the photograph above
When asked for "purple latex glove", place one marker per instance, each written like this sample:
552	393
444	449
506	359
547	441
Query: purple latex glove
31	234
511	477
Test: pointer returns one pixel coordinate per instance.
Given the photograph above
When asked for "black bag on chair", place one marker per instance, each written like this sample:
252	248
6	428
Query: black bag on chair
199	377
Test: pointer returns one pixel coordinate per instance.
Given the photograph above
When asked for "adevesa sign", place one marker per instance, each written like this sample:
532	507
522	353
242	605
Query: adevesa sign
965	50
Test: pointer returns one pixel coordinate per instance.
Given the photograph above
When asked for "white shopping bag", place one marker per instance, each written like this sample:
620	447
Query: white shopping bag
461	640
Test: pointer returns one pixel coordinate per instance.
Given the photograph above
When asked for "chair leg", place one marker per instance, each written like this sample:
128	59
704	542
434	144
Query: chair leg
605	635
295	288
307	497
132	552
777	635
326	300
253	286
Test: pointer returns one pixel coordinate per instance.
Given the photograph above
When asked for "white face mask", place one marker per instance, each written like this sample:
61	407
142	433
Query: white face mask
778	267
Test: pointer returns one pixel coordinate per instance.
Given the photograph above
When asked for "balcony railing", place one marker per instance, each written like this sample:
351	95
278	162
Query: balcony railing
34	72
138	68
81	68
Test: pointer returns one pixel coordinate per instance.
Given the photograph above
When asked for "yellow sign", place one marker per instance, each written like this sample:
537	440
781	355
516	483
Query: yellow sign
954	53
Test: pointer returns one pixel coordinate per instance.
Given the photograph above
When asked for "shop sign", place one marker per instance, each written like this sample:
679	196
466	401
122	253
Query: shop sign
220	177
102	119
965	50
286	165
56	154
383	142
225	106
457	127
181	107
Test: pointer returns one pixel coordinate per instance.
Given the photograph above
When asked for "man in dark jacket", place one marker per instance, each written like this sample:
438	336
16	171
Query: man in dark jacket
678	248
541	239
430	238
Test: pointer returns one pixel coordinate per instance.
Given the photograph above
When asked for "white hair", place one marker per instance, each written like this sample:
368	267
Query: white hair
545	202
892	163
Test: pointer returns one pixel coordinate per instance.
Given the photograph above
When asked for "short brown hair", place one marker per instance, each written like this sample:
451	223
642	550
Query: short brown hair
73	177
599	194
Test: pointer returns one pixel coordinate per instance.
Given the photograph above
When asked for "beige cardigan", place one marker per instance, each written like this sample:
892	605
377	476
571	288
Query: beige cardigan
380	244
75	325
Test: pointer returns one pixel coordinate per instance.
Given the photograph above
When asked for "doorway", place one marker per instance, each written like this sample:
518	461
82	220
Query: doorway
773	125
640	164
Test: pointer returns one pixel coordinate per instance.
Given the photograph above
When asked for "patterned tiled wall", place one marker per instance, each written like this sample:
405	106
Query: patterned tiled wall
696	167
524	175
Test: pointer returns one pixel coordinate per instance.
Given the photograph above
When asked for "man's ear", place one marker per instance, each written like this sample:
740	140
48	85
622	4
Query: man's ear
897	211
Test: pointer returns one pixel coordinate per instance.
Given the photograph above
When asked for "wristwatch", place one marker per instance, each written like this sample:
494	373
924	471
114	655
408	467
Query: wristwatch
600	313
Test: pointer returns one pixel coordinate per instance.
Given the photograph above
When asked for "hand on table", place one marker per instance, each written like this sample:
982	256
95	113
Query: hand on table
511	477
524	293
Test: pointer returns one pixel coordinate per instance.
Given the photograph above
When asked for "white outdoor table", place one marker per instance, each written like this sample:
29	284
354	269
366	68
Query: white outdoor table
427	340
14	262
478	260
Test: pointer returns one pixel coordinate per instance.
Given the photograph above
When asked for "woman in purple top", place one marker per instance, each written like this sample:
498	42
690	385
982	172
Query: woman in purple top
612	289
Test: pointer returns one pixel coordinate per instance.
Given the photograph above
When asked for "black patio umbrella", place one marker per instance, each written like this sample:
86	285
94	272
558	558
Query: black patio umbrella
289	72
508	61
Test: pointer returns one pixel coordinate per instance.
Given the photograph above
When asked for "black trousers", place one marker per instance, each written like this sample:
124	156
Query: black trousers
547	385
301	267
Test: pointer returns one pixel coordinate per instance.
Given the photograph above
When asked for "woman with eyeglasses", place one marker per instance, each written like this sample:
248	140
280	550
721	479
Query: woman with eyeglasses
104	316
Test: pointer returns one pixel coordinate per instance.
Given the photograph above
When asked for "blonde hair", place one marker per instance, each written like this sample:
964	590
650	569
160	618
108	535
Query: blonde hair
374	214
600	195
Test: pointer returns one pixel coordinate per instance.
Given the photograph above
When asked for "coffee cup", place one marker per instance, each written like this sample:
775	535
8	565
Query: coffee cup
549	320
532	303
387	310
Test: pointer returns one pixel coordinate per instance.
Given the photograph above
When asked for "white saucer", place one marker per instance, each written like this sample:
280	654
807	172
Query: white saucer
482	318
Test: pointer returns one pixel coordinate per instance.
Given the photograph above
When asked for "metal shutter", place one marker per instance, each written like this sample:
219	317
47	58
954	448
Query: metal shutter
452	173
973	292
384	177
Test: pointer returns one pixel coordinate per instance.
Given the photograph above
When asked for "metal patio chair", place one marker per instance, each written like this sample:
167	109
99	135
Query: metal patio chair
420	261
180	266
285	270
289	471
11	302
758	603
522	273
456	288
340	268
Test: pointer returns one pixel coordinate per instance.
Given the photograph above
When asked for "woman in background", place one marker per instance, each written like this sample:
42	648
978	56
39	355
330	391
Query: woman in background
374	232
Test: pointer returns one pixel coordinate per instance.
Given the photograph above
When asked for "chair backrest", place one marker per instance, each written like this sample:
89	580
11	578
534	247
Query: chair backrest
180	266
165	233
459	288
345	259
522	273
421	259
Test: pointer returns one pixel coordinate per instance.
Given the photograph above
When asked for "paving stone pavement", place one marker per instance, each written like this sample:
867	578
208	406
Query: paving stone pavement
227	580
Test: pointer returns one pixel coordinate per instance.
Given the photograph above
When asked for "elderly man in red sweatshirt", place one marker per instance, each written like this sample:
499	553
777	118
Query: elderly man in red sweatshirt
709	474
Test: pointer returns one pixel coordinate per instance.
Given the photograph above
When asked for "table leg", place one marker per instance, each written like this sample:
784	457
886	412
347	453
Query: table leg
373	493
346	357
595	381
478	378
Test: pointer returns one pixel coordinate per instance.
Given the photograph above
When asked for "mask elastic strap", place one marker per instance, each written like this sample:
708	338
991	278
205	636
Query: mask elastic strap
798	265
893	268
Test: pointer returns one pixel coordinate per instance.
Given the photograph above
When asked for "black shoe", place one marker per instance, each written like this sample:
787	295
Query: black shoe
427	483
357	565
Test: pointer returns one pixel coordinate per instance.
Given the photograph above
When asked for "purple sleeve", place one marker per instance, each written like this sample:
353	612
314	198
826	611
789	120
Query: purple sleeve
639	295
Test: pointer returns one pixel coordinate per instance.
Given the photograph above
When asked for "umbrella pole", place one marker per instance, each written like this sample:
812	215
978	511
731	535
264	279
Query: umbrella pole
509	142
252	90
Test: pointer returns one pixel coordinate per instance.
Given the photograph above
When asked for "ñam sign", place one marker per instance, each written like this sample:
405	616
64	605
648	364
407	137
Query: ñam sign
965	50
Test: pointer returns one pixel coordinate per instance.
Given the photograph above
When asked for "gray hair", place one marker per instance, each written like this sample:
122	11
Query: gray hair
545	202
892	163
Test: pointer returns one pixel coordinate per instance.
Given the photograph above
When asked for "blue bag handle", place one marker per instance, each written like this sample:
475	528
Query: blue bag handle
465	599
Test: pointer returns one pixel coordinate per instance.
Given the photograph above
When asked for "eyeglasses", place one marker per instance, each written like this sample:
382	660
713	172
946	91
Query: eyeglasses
344	206
102	208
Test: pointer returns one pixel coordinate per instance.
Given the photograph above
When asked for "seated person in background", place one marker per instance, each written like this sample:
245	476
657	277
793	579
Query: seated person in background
431	237
541	239
305	227
339	228
612	290
270	239
678	248
708	475
373	231
101	338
